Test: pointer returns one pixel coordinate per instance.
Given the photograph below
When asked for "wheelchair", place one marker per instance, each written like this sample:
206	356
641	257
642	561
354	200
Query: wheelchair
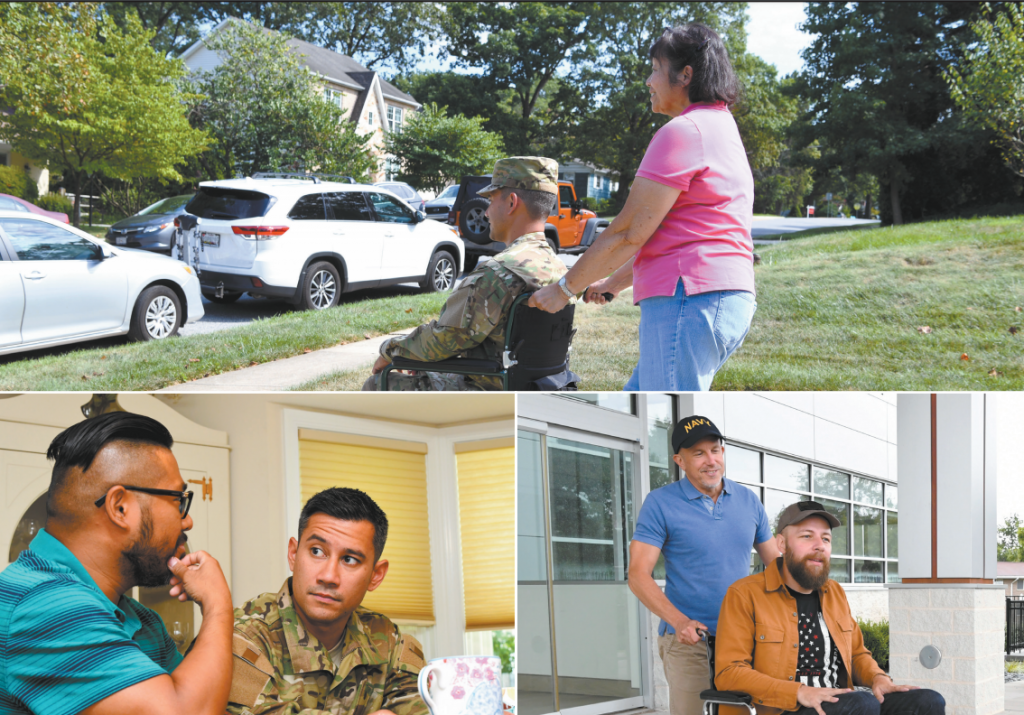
535	355
711	697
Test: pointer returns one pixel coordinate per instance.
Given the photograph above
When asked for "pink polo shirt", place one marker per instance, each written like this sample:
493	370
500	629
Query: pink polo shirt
705	238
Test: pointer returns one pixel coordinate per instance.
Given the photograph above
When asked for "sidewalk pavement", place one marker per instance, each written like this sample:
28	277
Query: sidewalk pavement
291	372
1014	698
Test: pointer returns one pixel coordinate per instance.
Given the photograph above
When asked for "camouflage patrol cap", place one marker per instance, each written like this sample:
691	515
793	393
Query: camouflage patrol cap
534	173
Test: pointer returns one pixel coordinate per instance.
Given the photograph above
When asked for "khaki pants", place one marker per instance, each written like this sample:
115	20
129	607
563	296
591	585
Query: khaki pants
686	670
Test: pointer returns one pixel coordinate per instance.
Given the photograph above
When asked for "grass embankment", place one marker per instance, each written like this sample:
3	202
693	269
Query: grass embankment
930	306
118	365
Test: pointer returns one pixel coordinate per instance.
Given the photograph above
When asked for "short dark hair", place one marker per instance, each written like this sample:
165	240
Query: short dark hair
78	445
348	504
538	203
700	47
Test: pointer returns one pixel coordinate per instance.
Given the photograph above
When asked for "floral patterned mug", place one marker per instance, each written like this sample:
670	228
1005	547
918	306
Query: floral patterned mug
462	685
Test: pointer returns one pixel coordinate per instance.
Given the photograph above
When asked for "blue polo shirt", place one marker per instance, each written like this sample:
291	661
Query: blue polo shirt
706	544
63	644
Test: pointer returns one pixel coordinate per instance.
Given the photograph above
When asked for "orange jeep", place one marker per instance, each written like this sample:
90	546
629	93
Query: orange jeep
569	229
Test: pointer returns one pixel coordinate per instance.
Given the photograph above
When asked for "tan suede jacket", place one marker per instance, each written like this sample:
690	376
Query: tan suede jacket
756	643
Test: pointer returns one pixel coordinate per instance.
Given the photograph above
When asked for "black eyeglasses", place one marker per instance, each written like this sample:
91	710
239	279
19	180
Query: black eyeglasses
184	497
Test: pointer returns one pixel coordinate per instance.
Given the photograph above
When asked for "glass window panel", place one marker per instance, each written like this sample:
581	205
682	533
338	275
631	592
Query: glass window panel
743	465
833	484
611	400
391	210
532	553
893	571
775	501
867	491
591	510
660	422
867	531
308	208
38	241
892	537
785	473
867	571
890	496
839	570
347	206
756	564
840	534
565	195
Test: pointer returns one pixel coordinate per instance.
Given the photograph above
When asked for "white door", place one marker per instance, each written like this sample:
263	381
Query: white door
70	289
12	300
355	236
405	254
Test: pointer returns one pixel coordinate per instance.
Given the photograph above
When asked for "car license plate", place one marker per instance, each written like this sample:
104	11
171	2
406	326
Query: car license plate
210	239
121	240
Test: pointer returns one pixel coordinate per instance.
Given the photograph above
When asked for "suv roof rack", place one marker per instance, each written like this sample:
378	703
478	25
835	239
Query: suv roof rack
314	177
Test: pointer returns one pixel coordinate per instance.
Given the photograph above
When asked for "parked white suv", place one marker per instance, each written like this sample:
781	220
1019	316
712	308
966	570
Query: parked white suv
309	240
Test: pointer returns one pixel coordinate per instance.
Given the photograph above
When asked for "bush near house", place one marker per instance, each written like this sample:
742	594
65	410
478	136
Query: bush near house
15	182
876	640
55	202
598	206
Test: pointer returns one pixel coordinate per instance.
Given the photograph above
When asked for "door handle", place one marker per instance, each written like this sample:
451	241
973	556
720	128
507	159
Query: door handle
34	275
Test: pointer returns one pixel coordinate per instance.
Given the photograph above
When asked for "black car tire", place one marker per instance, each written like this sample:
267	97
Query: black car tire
228	297
321	288
441	273
552	242
471	260
473	222
157	315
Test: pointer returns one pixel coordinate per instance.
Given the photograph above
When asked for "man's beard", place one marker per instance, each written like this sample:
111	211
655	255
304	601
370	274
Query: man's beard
803	575
144	565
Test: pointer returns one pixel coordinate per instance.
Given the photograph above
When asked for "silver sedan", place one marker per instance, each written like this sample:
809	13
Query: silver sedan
60	285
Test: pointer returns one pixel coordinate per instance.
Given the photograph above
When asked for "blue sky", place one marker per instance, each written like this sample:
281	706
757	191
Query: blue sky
772	34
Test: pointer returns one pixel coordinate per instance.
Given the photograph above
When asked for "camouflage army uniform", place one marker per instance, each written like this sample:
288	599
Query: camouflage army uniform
280	668
472	323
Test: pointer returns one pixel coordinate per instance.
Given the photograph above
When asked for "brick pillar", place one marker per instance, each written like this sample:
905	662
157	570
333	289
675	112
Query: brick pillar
947	537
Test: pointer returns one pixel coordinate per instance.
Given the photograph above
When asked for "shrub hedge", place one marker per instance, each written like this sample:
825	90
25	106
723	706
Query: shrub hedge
876	640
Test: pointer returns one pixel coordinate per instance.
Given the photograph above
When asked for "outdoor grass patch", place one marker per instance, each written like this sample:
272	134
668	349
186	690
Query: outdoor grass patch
852	311
158	364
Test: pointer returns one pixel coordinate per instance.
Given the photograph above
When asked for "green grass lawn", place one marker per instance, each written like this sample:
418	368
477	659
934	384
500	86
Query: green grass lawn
837	311
117	365
842	311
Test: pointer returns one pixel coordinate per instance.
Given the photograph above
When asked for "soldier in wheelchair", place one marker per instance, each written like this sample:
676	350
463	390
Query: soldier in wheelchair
486	338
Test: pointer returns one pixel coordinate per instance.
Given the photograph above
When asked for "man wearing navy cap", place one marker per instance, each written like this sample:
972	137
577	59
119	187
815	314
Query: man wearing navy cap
705	526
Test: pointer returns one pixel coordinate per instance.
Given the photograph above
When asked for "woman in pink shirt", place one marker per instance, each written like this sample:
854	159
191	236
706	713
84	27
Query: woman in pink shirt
683	238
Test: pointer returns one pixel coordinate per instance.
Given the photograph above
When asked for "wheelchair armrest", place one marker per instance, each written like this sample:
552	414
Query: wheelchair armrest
726	697
454	364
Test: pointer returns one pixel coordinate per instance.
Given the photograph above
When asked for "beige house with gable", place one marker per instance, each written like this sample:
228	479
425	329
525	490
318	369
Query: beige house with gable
375	105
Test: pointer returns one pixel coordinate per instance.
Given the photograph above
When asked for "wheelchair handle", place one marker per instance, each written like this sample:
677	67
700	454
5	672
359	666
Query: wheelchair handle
608	297
703	634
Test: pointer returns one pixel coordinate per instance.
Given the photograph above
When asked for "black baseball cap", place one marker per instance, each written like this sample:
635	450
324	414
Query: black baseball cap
795	513
691	430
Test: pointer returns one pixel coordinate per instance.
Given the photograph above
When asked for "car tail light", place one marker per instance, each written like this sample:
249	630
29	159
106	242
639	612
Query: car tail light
451	218
177	224
256	282
260	233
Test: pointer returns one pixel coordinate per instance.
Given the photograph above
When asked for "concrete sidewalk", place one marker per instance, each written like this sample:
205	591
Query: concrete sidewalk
291	372
1014	698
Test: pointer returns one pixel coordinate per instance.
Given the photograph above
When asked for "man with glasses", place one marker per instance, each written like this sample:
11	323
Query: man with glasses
116	517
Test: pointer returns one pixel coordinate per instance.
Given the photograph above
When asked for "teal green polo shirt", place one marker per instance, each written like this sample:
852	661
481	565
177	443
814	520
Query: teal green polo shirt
63	644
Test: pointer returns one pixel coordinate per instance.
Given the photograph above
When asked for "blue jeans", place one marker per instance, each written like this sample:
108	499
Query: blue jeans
685	339
859	702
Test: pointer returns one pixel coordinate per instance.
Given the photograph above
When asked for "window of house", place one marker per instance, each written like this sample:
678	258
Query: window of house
864	545
5	159
334	97
370	117
597	181
391	168
395	119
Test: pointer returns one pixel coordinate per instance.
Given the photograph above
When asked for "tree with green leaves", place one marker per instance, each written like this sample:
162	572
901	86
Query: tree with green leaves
92	99
436	150
175	25
878	103
1010	541
525	45
988	85
379	35
266	111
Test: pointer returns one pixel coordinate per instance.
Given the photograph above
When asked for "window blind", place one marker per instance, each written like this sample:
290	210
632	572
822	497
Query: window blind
486	480
396	479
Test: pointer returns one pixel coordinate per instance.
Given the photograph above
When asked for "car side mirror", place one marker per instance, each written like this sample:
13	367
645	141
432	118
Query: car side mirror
420	217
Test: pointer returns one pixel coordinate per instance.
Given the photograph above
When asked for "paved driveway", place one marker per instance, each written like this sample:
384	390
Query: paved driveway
773	226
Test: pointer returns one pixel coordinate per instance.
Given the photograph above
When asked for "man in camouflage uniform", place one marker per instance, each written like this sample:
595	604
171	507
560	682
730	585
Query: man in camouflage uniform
523	190
311	649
